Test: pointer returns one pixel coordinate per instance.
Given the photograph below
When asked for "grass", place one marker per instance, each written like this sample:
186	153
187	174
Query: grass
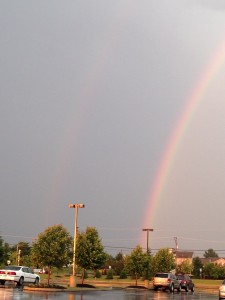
213	282
63	276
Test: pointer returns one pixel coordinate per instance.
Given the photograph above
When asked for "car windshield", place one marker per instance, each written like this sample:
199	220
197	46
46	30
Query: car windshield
161	275
180	276
14	268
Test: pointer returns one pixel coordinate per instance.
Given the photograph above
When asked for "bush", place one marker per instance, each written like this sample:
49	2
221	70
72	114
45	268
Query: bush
45	285
109	274
123	274
98	274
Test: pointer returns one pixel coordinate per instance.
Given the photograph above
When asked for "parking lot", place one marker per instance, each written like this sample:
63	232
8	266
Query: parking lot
117	294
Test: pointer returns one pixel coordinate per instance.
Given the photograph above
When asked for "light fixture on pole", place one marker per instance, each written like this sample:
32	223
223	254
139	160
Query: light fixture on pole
73	277
147	230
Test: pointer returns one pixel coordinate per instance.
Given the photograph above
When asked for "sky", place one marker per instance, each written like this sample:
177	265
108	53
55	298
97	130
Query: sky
92	94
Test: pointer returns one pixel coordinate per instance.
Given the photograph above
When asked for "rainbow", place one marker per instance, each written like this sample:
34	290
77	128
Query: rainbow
193	102
86	97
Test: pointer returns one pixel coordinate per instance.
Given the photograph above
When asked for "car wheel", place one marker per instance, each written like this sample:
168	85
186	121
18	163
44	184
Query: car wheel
179	288
21	281
171	288
36	281
2	282
193	289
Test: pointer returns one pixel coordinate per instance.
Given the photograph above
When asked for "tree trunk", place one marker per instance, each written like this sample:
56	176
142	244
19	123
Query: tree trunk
83	273
49	273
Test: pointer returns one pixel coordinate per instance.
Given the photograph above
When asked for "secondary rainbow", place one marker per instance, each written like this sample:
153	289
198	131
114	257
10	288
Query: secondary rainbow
193	102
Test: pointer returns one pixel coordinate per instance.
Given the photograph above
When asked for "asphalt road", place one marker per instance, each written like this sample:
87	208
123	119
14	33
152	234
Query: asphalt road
114	294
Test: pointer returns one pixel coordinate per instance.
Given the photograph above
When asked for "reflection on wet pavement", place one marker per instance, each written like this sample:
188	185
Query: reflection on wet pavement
10	293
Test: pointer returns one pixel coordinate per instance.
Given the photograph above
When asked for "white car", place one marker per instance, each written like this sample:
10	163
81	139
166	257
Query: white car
222	290
18	274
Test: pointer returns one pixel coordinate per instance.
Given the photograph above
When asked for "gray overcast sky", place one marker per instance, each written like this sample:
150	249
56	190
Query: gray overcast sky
90	92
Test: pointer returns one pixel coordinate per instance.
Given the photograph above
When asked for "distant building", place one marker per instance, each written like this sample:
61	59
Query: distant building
181	256
215	260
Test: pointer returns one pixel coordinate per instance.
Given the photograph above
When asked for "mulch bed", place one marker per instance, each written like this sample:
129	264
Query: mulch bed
85	285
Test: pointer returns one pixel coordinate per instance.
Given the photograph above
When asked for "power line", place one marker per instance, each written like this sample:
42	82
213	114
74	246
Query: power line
17	236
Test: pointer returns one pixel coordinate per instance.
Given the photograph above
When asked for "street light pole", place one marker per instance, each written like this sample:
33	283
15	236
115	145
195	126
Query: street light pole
73	277
147	230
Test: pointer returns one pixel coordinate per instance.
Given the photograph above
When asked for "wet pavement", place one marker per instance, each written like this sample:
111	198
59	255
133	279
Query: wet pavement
117	294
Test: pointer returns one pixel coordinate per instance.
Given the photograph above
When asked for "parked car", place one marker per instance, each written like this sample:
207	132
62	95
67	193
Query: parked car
186	282
166	281
43	271
222	290
19	275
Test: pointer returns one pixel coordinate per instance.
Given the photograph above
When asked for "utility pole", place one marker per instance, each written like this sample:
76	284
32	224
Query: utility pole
176	242
147	230
73	277
176	250
18	252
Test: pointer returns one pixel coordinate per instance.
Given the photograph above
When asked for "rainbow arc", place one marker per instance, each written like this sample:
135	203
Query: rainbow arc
192	104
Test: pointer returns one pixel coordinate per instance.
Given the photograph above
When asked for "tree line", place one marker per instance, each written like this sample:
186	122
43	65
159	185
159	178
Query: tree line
53	248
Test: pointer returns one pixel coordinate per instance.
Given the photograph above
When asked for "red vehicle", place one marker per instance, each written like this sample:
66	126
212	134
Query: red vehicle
186	282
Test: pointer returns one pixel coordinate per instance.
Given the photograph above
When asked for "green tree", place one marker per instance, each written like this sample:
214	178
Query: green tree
137	262
9	254
119	263
116	263
221	271
163	261
210	253
214	271
211	271
197	267
2	251
6	253
52	248
23	246
21	253
185	267
90	251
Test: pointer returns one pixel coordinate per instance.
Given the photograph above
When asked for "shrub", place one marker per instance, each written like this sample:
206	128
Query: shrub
46	285
98	274
123	274
109	274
